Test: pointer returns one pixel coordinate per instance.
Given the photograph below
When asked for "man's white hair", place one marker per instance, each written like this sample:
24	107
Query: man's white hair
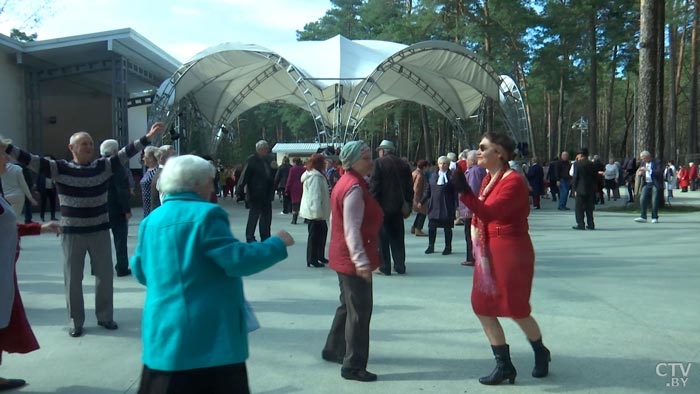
76	136
444	159
645	153
261	144
163	153
109	147
452	156
185	173
471	155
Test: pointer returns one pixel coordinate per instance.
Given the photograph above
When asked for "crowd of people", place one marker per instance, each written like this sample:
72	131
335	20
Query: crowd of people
362	202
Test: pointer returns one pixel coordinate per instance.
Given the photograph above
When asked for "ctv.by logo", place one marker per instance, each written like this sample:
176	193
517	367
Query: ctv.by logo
676	373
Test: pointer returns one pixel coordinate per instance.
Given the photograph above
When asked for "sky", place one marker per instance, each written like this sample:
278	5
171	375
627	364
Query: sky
181	28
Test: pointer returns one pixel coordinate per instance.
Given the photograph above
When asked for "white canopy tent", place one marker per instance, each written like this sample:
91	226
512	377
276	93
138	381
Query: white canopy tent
340	81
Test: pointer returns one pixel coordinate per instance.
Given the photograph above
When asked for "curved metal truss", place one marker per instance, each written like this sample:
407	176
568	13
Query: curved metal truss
392	63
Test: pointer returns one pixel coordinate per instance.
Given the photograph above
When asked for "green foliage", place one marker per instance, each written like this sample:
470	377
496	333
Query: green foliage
21	36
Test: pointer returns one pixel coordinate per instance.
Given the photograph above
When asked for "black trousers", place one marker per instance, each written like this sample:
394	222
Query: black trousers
224	379
585	205
120	231
391	243
419	221
316	243
468	238
259	211
432	232
286	203
50	195
349	334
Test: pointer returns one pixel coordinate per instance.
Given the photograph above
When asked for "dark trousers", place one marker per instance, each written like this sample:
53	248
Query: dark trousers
564	189
536	200
419	221
286	203
316	243
349	334
224	379
468	238
585	205
391	243
554	189
432	233
27	211
262	212
50	195
630	190
650	192
120	231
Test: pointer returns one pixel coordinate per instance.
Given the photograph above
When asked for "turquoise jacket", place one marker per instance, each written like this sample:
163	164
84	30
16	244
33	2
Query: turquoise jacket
191	265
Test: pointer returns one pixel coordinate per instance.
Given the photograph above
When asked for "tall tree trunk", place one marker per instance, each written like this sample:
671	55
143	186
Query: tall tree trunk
647	86
593	82
560	113
672	92
695	68
551	127
428	143
611	101
660	60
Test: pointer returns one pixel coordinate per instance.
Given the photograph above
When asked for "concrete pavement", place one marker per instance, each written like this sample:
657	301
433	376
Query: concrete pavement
617	306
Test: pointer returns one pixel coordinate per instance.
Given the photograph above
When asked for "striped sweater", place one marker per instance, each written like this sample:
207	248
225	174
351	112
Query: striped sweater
82	189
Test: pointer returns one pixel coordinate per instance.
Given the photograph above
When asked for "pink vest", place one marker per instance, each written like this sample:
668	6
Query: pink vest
338	254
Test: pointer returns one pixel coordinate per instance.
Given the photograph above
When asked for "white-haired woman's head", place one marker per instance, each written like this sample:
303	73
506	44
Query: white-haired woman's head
187	174
109	147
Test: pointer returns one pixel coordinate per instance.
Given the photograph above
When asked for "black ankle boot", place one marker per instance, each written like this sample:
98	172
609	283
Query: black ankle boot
294	218
542	359
504	368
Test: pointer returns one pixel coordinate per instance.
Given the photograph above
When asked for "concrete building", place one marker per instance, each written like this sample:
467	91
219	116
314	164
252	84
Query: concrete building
101	83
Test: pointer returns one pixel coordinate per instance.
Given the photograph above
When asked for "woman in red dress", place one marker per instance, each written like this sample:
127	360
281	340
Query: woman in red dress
16	335
504	256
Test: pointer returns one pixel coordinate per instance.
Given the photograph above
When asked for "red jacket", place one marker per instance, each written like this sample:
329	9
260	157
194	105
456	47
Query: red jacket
338	253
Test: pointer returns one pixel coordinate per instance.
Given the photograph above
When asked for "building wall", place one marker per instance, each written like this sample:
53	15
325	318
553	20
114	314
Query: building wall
65	114
12	113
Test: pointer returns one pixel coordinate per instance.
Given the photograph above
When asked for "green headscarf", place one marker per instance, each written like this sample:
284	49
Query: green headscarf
351	152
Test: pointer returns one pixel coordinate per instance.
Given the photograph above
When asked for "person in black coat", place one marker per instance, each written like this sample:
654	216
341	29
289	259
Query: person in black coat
280	182
441	198
257	184
118	208
584	187
535	177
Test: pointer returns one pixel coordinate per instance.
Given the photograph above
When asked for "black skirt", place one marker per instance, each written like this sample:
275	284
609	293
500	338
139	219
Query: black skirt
224	379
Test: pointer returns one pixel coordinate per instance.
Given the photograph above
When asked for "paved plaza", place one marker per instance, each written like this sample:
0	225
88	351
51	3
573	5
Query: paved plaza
618	306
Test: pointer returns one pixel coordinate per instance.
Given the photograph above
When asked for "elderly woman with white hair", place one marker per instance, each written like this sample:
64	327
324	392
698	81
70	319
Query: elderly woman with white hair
151	163
161	155
353	254
195	318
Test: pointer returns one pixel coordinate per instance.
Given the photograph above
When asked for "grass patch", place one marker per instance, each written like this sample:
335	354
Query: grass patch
631	208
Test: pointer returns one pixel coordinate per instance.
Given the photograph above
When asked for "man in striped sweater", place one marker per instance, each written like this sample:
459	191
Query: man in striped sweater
82	192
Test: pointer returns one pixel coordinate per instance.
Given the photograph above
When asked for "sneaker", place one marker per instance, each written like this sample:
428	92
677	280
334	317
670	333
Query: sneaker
640	220
654	220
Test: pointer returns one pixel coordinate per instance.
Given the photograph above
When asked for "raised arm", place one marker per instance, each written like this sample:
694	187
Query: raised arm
511	198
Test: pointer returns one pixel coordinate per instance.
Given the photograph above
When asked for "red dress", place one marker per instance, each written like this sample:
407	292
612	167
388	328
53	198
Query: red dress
18	336
504	213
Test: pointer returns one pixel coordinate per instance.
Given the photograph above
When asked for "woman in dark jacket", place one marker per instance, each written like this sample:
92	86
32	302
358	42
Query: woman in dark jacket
294	187
535	177
441	198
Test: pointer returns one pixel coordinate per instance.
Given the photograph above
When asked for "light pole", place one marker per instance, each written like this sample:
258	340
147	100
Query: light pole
582	125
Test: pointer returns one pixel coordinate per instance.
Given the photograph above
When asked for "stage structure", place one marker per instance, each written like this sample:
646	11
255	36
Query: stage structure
339	82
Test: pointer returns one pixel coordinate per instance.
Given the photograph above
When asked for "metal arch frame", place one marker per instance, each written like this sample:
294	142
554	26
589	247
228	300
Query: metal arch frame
514	95
161	110
353	119
295	75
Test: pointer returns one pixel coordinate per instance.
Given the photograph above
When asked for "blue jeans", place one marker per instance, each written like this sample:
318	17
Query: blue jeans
649	190
564	189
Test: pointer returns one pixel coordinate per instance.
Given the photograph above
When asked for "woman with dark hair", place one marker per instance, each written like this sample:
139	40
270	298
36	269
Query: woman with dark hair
47	193
316	209
16	335
419	183
504	255
293	187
